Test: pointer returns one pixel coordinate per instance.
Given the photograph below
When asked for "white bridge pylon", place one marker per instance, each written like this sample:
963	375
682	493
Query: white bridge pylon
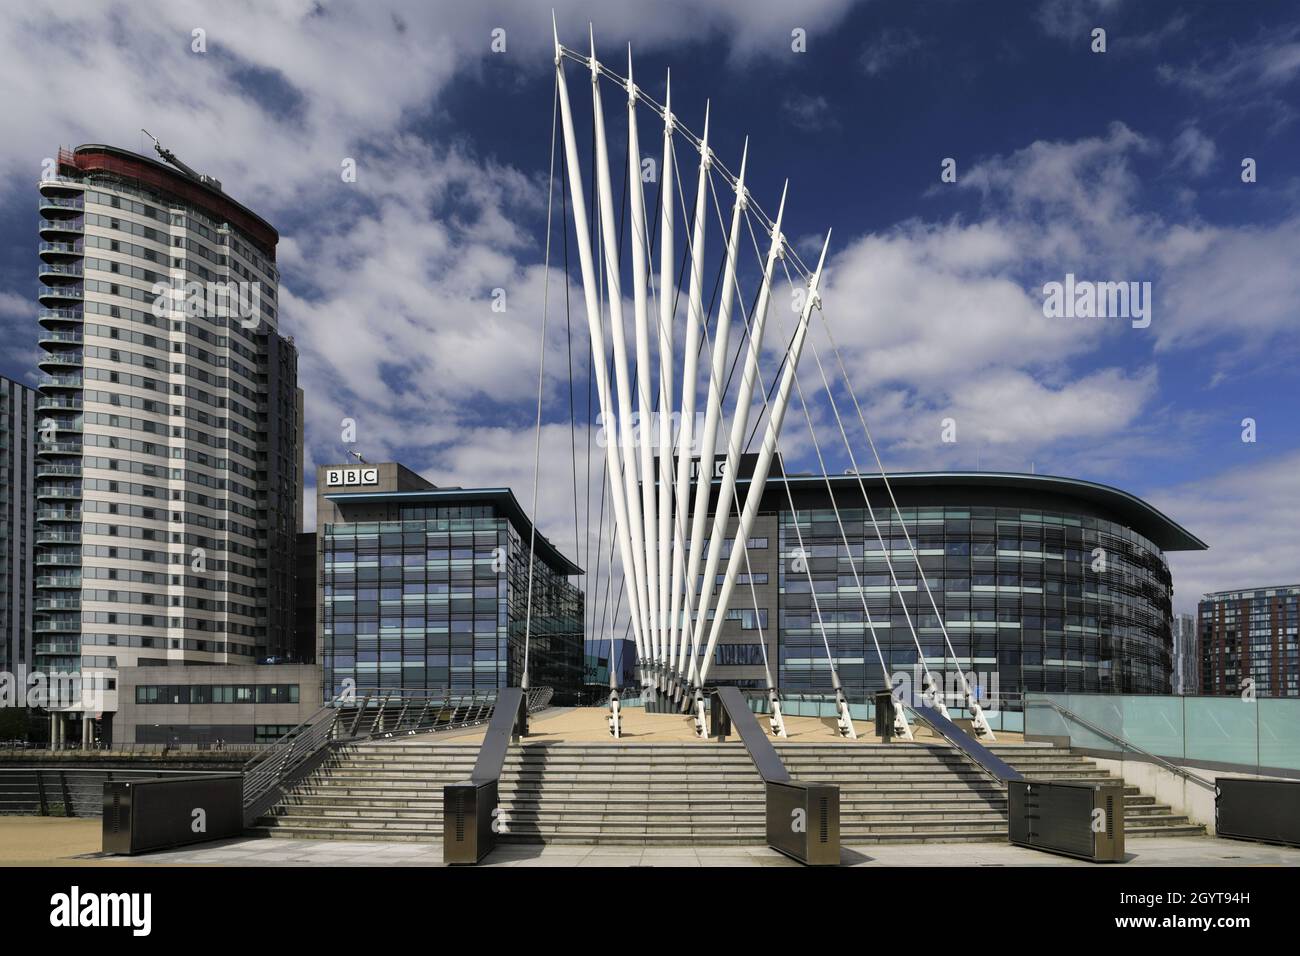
669	548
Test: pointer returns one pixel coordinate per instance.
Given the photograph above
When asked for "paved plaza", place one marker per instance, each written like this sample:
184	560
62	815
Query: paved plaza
52	841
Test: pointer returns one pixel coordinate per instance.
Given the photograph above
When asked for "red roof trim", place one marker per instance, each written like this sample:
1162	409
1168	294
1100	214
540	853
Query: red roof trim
107	159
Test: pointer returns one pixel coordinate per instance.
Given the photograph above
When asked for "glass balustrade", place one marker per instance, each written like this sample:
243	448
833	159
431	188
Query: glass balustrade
1254	734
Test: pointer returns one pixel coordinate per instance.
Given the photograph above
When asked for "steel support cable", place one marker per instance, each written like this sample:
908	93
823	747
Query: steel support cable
594	310
848	550
599	235
798	533
541	381
659	109
677	298
628	463
641	379
715	407
741	411
738	541
568	337
971	702
758	617
776	377
683	596
623	576
884	549
597	68
735	359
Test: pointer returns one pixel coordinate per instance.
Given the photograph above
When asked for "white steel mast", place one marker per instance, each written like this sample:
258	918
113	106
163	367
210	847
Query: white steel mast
595	328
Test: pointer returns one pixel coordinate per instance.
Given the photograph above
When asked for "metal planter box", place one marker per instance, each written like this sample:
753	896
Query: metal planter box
803	821
467	819
143	815
1084	820
1264	810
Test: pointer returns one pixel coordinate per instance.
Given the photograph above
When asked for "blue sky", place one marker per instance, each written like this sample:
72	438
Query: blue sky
1115	166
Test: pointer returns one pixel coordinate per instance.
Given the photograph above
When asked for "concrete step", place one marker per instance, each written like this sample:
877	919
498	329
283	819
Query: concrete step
690	793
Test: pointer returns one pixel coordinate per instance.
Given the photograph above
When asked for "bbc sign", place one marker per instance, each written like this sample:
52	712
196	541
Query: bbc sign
336	477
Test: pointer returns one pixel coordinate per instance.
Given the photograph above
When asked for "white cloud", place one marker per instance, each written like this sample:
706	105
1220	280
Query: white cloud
1270	62
1236	285
885	51
1248	515
1254	75
808	112
1193	151
344	73
1074	19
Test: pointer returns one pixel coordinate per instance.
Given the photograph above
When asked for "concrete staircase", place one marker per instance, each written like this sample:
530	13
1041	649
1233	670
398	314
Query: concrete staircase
688	793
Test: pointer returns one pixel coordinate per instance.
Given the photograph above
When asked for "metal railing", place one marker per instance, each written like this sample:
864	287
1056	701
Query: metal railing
987	761
1126	744
766	760
366	715
66	791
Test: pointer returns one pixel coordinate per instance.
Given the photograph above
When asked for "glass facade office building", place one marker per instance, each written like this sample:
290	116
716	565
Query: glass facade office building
1043	584
425	589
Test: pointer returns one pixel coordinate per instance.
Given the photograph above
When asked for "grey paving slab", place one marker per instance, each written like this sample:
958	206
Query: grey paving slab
1159	851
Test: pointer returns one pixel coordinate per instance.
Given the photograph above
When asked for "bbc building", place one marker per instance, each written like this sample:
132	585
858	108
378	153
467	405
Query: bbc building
1042	583
422	588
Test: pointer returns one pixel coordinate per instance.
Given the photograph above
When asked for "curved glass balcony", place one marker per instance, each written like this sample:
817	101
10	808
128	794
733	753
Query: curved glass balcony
58	318
59	381
52	469
57	559
47	648
57	270
58	581
58	491
56	184
60	204
58	626
52	337
51	403
57	604
60	358
60	226
58	537
57	250
56	293
59	448
58	514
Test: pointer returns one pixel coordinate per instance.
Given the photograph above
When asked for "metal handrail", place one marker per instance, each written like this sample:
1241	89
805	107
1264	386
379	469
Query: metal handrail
75	791
505	724
265	772
1124	742
366	715
989	762
766	760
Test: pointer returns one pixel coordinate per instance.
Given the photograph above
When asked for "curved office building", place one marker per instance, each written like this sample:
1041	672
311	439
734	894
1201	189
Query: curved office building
1043	584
